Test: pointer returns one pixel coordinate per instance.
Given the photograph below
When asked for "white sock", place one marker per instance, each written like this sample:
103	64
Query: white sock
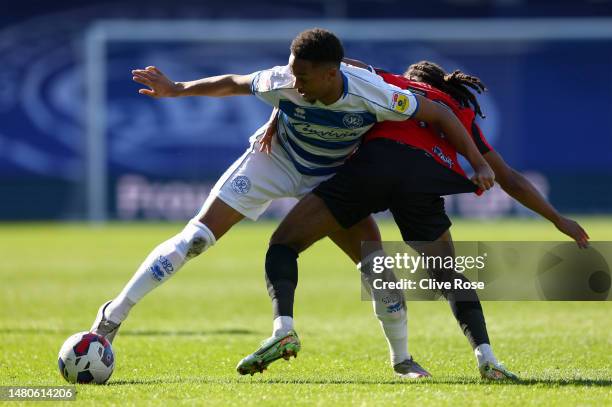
161	264
118	309
282	325
394	321
390	310
484	354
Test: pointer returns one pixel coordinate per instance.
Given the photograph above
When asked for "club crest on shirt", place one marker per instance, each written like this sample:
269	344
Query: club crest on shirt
300	113
399	102
352	120
241	184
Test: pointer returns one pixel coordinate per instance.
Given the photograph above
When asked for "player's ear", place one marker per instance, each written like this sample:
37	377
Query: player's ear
331	71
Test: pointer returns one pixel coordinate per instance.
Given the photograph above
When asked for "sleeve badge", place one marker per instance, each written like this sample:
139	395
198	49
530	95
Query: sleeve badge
400	102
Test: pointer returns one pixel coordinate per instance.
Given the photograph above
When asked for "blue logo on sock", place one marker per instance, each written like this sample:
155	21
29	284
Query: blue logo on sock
156	272
168	268
394	307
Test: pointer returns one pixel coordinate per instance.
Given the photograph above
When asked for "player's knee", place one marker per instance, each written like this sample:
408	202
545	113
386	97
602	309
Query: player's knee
196	238
367	230
280	236
286	237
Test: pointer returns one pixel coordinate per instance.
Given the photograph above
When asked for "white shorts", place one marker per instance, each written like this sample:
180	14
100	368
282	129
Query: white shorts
256	178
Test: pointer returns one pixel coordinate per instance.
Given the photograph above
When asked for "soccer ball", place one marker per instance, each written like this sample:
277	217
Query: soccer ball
567	273
86	357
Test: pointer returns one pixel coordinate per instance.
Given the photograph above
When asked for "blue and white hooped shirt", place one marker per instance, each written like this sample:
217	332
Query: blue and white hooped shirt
318	138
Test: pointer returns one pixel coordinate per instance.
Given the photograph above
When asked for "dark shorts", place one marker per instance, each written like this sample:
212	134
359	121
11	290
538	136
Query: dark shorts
385	174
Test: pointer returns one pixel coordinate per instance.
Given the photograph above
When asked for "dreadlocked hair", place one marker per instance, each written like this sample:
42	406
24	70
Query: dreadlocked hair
456	84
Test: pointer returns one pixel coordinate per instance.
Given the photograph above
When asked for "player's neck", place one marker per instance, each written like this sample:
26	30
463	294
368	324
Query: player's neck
335	93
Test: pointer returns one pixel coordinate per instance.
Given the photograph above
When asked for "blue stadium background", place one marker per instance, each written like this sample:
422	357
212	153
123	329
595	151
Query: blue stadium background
549	109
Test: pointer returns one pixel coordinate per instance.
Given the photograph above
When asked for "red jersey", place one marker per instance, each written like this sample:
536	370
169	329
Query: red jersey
420	134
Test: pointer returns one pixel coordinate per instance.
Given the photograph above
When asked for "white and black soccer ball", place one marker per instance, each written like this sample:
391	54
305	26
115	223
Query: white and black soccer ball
567	273
86	357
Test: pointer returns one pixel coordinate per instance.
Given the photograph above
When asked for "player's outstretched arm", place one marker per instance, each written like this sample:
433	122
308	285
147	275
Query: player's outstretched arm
439	116
160	86
519	188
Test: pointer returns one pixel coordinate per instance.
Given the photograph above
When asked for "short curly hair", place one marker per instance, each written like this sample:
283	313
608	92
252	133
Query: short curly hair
318	45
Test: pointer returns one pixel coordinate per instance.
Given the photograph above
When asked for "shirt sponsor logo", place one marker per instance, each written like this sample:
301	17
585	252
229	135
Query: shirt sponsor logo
326	133
300	113
352	120
438	151
241	184
400	102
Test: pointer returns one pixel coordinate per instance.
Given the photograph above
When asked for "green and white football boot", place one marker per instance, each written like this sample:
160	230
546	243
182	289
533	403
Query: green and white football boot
492	371
271	349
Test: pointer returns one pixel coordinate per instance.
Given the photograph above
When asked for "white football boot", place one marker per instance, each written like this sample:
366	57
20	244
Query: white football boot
103	326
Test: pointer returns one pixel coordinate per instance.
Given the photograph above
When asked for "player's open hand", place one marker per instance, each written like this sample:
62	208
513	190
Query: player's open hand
573	230
484	177
159	84
265	142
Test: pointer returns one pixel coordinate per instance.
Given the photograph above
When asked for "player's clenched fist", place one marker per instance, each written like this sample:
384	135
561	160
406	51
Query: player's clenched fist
159	84
484	177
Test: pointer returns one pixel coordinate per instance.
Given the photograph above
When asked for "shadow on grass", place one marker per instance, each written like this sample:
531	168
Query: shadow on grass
586	382
583	382
191	333
20	331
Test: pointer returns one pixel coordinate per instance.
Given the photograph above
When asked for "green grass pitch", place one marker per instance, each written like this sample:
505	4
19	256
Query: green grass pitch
181	343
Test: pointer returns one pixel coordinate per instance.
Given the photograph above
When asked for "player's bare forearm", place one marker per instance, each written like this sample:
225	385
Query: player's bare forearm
520	188
523	191
442	118
159	85
217	86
